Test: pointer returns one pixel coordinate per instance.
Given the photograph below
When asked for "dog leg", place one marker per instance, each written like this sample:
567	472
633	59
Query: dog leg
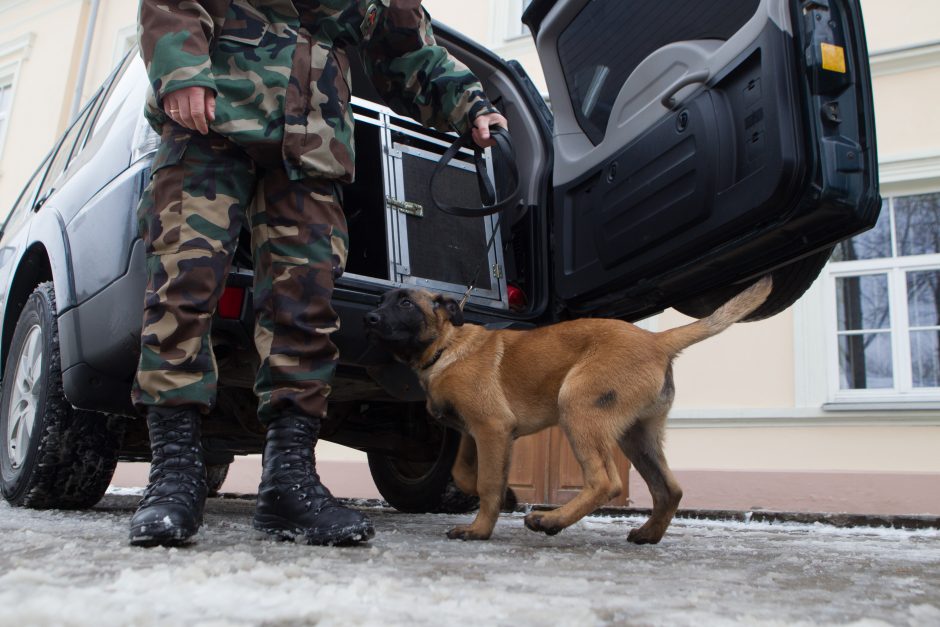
613	473
642	444
493	450
465	466
593	454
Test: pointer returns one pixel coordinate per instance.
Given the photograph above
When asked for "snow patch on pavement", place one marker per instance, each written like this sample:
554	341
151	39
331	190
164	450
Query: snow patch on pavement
75	568
119	491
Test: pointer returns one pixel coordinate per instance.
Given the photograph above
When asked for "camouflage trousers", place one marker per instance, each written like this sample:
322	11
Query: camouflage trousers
202	190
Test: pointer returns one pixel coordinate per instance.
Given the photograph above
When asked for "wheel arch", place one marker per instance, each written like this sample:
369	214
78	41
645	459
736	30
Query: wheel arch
34	268
46	258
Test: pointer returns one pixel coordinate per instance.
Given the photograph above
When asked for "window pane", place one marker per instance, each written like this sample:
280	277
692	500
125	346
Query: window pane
63	154
862	302
872	244
925	358
25	202
917	219
6	100
520	28
126	86
6	96
923	298
865	361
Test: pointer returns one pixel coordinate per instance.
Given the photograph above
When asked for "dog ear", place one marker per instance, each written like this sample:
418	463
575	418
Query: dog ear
454	313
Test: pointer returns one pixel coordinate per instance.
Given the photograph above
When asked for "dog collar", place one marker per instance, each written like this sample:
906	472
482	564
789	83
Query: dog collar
432	361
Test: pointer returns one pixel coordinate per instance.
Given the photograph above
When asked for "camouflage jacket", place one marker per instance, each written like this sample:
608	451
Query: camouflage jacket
281	75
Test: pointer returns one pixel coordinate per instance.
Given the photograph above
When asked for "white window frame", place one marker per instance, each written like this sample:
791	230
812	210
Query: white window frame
507	21
8	75
514	27
12	55
895	268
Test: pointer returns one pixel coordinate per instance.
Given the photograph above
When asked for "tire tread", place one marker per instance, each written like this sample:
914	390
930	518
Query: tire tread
77	449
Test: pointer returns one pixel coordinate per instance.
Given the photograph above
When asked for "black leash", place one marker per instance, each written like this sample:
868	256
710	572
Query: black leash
482	264
487	190
491	204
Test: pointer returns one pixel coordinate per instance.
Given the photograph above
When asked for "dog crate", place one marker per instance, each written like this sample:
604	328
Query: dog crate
419	246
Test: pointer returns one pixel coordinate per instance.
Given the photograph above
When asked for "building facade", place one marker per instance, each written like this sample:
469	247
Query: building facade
833	405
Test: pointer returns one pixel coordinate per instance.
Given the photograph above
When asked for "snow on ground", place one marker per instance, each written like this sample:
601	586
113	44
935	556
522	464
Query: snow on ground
75	568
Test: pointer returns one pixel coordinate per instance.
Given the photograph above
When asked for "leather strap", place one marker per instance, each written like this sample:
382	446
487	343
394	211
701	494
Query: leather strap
491	204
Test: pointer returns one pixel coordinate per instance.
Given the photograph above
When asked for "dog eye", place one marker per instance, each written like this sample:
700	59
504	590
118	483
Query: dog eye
405	303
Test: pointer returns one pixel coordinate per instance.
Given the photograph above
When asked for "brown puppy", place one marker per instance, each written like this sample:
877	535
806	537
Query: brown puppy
606	382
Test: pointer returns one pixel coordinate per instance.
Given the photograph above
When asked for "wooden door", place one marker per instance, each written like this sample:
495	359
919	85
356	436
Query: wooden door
544	470
528	472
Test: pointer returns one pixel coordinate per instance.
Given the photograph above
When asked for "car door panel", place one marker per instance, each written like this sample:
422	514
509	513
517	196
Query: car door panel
111	211
676	152
718	164
658	194
640	77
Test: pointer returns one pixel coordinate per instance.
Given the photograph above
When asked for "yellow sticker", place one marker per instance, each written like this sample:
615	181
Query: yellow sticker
833	58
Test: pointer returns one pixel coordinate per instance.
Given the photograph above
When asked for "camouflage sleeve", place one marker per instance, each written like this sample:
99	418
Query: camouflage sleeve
175	38
417	77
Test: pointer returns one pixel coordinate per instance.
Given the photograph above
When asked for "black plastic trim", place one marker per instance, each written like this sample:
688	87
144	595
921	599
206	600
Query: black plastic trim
535	14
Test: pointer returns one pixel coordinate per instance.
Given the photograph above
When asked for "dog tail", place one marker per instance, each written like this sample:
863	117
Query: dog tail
678	339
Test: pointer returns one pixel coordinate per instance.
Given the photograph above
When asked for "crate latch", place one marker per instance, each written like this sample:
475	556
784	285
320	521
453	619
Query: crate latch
410	208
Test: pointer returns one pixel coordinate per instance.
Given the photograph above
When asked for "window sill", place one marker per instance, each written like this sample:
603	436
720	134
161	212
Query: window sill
895	414
899	405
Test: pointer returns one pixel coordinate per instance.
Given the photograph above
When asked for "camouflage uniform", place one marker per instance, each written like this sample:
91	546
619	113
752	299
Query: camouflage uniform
281	141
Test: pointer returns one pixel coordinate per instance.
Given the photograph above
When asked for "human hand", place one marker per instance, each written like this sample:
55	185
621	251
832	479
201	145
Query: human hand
192	107
481	128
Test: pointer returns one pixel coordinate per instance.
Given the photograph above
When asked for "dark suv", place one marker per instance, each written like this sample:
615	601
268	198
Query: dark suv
693	145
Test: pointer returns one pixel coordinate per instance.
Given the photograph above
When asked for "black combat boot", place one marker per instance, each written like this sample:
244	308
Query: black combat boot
171	511
292	503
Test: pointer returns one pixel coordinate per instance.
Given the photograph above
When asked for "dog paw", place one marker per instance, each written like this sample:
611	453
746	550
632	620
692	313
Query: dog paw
536	521
645	535
466	532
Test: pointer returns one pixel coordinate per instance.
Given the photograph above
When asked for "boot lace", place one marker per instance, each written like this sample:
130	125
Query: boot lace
177	473
293	467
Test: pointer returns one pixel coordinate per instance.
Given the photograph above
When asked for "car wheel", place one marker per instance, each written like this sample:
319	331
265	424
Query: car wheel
790	283
215	477
422	487
52	455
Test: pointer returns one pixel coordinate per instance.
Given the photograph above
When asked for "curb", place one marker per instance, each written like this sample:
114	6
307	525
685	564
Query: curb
840	520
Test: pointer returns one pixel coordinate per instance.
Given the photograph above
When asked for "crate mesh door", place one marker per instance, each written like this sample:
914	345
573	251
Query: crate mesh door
442	247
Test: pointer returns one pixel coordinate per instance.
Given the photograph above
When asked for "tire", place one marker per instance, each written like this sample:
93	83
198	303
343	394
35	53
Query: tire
422	487
790	283
51	455
215	477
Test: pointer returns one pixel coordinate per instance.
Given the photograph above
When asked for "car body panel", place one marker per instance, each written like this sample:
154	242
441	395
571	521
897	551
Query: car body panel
106	212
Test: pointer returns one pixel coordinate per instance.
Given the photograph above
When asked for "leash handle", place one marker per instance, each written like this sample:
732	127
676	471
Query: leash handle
491	204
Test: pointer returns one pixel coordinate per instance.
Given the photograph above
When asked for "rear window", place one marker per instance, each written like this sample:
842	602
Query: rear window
610	38
70	146
126	85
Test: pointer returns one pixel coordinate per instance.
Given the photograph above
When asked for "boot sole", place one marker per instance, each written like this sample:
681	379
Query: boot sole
331	536
159	535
